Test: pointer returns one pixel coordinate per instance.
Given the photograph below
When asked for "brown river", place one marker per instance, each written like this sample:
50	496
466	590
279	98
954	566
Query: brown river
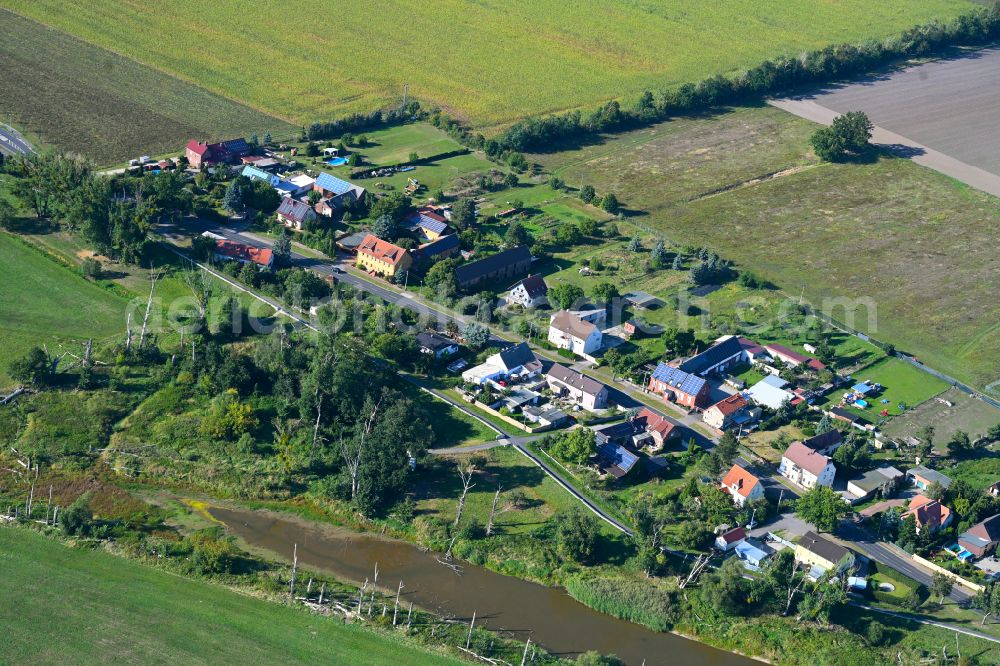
549	616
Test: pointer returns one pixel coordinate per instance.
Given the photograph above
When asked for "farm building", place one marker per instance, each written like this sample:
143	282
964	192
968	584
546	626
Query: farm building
224	152
717	358
678	386
504	265
382	257
793	358
295	214
295	186
770	392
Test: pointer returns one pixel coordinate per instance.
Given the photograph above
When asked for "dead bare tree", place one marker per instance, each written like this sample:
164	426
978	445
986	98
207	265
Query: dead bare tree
496	509
465	474
395	608
353	455
295	570
154	275
699	566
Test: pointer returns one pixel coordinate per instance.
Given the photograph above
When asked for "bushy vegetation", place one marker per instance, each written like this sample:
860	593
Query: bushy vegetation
657	607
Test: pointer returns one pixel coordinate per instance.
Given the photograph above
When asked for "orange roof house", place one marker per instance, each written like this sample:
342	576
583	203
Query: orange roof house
742	486
928	513
378	256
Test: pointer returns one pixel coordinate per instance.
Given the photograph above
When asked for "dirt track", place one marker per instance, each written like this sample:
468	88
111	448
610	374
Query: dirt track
943	114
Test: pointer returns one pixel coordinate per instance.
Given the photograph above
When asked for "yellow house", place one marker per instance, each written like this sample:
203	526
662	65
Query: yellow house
814	550
378	256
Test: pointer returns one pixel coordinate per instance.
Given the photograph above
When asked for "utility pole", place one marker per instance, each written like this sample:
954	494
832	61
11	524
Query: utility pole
780	496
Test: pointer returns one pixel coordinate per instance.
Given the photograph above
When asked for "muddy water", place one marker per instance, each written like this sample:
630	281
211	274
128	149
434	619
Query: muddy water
548	615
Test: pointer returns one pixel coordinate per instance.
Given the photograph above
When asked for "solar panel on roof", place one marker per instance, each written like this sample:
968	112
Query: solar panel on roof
618	455
333	184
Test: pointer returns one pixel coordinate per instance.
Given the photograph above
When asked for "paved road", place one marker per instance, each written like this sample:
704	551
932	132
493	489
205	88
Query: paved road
812	109
891	556
11	141
933	623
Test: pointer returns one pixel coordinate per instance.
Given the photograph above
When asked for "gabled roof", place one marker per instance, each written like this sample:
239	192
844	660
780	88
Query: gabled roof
427	220
382	250
785	353
575	379
987	531
433	340
253	173
329	183
733	535
929	475
619	459
436	247
197	147
824	440
237	146
679	380
568	323
534	285
926	511
806	458
826	549
516	356
233	250
743	481
653	422
480	269
712	356
293	209
730	404
750	347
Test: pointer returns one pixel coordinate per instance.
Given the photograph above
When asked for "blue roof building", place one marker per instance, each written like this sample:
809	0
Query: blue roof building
753	553
616	460
253	173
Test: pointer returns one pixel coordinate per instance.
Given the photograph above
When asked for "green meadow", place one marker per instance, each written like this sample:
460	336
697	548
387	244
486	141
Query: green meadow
75	605
490	62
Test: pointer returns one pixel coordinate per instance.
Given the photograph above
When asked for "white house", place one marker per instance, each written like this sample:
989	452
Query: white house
568	331
294	213
742	486
517	361
805	467
730	539
584	391
531	292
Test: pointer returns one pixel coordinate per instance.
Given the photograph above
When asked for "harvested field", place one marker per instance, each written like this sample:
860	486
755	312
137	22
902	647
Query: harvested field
965	413
492	62
83	99
917	245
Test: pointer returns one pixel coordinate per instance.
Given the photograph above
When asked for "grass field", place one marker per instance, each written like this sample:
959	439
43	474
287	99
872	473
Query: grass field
901	383
83	99
489	61
45	303
82	606
890	233
965	413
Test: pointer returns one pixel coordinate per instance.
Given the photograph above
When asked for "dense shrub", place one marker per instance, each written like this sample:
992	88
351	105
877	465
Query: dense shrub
633	600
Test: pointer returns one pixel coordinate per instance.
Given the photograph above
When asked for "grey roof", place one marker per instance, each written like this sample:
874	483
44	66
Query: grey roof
294	209
872	480
983	533
929	474
570	324
824	440
534	285
433	341
714	355
492	264
516	355
333	184
677	378
828	550
619	459
575	379
436	247
642	299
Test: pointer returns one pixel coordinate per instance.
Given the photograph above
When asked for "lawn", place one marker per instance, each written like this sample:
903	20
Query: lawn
79	605
394	145
46	303
901	384
897	248
491	62
80	98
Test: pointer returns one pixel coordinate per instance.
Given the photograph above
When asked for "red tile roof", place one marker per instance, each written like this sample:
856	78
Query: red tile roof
927	512
806	458
381	250
750	346
786	353
740	479
654	422
734	535
731	404
258	255
197	148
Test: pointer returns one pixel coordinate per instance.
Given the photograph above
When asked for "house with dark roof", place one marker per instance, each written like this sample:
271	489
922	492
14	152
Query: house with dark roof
825	442
615	459
504	265
675	385
568	330
867	484
435	344
227	250
531	292
428	224
223	152
716	359
923	477
378	256
982	538
442	248
823	555
295	214
805	467
581	389
752	350
336	190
